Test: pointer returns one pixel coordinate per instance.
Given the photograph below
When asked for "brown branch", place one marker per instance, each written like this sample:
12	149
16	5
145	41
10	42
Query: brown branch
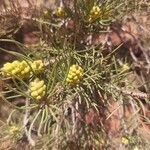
139	95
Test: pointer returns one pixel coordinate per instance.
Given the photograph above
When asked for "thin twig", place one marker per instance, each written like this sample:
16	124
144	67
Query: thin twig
139	95
26	120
